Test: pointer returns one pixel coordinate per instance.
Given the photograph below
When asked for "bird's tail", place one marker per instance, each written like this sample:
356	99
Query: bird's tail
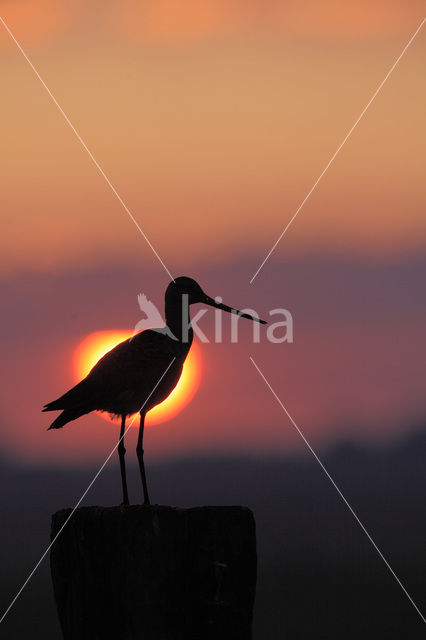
66	416
74	403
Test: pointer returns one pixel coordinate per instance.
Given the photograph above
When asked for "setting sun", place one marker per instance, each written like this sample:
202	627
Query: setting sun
97	344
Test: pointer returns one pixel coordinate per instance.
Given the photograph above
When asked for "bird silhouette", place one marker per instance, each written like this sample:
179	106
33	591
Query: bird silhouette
139	373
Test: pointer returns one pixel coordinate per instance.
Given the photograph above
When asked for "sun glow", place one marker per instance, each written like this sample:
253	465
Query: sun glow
97	344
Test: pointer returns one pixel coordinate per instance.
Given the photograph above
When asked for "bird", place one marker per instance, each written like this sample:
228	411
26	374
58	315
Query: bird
139	372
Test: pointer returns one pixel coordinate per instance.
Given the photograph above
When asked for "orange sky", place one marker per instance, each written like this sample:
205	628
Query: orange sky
213	120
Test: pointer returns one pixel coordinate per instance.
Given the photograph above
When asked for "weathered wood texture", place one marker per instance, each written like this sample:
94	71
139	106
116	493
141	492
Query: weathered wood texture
155	573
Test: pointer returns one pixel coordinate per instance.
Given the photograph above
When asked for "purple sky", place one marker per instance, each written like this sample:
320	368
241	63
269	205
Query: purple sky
356	367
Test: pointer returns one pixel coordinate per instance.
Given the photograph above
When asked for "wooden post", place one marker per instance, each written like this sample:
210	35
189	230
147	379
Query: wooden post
154	573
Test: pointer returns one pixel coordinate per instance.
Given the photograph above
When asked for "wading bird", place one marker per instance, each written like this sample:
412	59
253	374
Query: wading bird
139	373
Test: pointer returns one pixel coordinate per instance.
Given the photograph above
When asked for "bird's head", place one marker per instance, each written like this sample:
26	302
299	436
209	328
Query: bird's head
187	286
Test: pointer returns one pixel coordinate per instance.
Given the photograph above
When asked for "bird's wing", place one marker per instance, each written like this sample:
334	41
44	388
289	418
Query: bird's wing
140	361
131	365
146	350
77	397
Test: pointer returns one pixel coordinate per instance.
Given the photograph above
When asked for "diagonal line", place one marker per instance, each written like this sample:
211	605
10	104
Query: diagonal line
86	148
80	500
338	491
333	157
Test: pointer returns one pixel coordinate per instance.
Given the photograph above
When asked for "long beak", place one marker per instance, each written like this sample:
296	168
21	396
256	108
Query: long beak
224	307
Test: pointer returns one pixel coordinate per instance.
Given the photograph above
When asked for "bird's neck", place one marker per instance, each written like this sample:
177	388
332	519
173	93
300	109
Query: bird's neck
177	318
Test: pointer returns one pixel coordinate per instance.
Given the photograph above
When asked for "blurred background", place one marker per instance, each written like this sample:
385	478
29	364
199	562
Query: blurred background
213	120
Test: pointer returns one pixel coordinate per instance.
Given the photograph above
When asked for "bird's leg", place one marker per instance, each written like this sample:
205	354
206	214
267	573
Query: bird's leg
139	451
121	452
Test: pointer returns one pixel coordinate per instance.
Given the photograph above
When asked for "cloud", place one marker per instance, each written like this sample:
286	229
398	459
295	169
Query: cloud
35	22
177	22
183	21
